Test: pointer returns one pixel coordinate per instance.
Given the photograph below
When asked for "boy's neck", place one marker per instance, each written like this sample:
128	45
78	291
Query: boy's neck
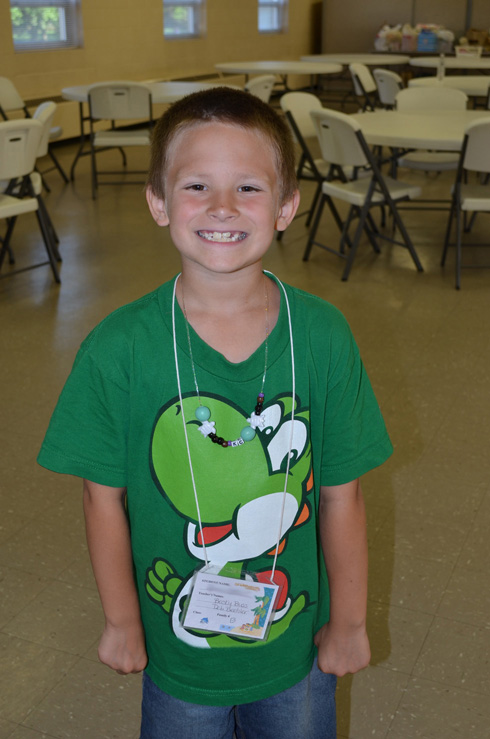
231	312
213	294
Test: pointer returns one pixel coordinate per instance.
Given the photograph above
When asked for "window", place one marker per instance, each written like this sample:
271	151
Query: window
45	24
272	16
183	20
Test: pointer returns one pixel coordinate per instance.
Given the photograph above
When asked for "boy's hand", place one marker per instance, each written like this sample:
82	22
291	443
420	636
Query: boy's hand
123	648
342	651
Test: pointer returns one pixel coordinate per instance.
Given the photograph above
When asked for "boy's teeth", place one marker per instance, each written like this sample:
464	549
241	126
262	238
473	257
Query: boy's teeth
222	235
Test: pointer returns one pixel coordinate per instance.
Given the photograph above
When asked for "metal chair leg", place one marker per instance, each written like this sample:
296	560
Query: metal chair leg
49	245
404	234
6	242
50	227
94	171
459	228
314	228
448	233
314	203
58	166
355	242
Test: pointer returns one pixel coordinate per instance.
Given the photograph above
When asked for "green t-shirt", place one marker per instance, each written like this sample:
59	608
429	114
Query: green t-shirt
118	422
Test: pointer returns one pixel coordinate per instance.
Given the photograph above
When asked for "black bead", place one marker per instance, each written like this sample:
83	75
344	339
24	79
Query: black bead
258	410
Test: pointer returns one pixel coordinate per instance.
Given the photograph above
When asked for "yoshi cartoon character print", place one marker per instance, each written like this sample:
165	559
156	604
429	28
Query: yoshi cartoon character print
118	423
240	522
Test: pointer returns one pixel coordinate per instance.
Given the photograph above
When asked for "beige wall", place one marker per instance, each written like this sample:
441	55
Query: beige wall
481	14
123	40
351	25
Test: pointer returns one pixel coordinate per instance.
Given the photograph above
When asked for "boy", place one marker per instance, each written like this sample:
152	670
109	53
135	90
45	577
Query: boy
221	425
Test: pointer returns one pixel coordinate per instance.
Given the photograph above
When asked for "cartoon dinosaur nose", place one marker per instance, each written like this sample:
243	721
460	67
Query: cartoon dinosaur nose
212	534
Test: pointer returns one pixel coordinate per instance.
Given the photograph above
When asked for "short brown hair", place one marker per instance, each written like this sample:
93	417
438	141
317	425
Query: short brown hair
223	105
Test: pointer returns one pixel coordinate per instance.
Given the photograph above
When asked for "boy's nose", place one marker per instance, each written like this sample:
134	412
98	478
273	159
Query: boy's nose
223	207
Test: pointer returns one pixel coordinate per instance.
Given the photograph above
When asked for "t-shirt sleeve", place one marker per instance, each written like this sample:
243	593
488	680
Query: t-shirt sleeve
87	434
355	435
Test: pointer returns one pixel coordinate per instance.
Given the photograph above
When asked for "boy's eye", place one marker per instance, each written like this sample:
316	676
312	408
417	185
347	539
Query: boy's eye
248	188
196	187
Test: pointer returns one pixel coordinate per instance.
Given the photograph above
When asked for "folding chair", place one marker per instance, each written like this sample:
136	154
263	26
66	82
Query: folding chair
475	158
44	114
118	101
343	144
297	107
261	86
412	99
11	100
364	85
388	85
472	220
19	146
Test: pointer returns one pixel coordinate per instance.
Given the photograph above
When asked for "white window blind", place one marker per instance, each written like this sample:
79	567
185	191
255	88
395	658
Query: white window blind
272	16
183	20
45	24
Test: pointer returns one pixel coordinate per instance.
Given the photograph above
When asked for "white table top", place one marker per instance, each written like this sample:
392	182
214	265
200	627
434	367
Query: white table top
451	62
475	85
431	130
161	92
381	60
278	67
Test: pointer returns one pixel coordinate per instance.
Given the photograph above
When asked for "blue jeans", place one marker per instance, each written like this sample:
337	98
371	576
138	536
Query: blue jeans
305	711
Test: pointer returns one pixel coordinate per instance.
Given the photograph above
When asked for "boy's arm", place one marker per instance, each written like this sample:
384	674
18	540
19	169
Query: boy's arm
122	645
342	643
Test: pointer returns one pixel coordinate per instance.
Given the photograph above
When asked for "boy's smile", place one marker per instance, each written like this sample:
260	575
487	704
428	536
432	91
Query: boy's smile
222	237
222	197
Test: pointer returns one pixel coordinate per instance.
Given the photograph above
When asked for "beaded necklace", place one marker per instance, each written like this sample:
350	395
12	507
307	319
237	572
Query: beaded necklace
203	413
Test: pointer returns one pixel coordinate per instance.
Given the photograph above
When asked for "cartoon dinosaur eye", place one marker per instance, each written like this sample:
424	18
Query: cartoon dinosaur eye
279	445
272	418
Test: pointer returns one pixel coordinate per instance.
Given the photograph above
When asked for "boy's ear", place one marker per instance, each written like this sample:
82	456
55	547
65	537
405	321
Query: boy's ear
287	212
157	208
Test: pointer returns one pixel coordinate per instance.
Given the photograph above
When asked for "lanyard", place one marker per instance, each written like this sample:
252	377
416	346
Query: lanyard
293	395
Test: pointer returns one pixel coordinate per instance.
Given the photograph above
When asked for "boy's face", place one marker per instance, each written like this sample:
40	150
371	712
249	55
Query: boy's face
222	197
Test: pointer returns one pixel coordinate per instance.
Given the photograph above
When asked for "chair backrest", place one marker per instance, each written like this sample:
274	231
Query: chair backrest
119	101
44	113
339	139
9	97
388	84
19	145
477	146
362	78
261	86
300	105
430	98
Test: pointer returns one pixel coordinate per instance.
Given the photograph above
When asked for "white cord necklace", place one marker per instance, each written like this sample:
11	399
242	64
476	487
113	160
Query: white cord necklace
184	423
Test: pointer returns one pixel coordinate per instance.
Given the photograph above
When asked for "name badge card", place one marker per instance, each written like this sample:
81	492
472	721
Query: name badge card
230	605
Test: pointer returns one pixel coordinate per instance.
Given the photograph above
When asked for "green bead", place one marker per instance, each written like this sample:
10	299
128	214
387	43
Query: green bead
203	413
247	433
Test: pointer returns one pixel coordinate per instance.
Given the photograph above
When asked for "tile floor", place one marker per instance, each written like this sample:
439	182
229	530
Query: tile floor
427	350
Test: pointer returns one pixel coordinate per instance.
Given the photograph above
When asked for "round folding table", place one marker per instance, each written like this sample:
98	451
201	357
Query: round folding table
161	92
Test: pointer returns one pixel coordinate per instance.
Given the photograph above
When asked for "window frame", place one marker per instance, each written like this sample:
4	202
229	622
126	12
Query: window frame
73	26
282	8
199	25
